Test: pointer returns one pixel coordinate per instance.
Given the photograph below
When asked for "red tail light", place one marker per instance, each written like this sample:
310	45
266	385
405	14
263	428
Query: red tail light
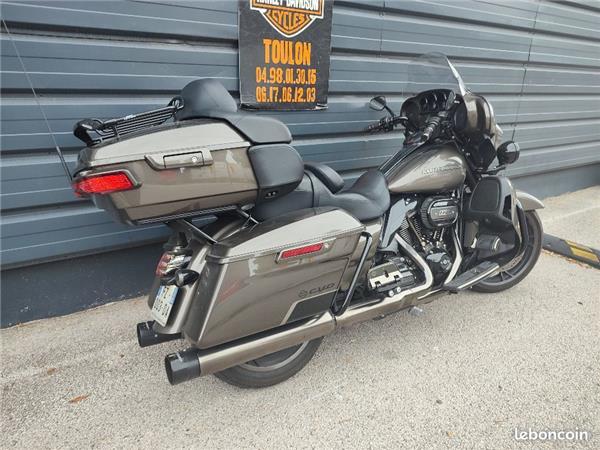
103	183
170	262
294	252
163	263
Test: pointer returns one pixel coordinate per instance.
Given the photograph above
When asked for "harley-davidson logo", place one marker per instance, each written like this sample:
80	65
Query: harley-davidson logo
289	17
437	170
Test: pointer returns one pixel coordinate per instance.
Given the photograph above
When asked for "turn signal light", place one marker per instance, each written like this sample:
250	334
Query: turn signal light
103	184
300	251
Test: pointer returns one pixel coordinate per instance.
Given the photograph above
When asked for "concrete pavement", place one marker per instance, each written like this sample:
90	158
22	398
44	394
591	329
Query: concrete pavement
575	216
465	374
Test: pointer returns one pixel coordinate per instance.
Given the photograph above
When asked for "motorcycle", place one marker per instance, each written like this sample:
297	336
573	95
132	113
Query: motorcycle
269	254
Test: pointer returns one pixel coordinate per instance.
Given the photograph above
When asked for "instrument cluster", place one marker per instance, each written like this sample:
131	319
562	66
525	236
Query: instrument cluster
427	103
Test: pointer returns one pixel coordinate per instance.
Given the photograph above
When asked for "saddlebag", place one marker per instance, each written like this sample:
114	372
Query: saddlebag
188	168
276	272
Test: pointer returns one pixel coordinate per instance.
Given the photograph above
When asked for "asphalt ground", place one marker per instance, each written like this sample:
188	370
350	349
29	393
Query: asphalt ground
465	374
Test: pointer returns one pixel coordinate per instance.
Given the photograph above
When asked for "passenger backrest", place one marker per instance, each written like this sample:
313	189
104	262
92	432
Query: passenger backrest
207	97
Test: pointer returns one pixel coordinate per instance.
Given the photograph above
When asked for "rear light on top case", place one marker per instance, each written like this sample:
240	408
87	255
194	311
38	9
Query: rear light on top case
103	183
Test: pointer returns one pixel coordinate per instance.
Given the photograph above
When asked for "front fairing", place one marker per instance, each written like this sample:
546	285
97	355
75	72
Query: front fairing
432	71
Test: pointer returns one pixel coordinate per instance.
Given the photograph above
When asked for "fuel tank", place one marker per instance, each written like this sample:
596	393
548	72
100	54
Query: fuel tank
429	169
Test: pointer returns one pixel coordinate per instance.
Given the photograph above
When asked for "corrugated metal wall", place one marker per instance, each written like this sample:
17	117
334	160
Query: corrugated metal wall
538	63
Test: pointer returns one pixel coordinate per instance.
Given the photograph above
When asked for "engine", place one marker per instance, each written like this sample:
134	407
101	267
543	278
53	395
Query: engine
428	229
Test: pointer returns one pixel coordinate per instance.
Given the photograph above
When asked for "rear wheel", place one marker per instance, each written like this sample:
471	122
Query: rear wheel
271	369
515	270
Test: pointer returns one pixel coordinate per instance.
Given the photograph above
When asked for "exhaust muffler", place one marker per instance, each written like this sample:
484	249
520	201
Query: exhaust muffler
147	336
192	363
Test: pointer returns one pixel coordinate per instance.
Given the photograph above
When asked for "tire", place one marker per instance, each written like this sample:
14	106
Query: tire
516	270
271	369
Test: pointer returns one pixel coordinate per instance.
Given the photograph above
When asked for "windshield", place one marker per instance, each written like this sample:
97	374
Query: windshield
432	71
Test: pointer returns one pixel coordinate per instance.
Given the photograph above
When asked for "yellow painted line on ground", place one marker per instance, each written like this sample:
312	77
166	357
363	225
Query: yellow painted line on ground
584	254
579	246
572	250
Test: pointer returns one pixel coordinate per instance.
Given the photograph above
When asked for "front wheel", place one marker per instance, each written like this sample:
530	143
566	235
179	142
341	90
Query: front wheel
515	270
271	369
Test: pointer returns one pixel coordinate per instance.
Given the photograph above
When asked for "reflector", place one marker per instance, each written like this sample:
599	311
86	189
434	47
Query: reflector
313	248
103	184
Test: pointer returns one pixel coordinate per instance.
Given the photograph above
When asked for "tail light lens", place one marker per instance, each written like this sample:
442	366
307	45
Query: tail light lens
104	183
169	262
301	251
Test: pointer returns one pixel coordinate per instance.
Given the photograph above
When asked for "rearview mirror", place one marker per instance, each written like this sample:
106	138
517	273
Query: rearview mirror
508	152
378	103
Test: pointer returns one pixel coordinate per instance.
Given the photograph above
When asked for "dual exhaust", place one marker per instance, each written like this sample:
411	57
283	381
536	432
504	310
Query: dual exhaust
192	363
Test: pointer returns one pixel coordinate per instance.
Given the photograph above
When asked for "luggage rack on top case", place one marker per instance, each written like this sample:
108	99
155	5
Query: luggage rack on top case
93	131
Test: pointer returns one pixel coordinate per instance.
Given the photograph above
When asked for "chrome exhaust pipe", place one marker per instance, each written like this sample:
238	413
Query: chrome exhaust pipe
192	363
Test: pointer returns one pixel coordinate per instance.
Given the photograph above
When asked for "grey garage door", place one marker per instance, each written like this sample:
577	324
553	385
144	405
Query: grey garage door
537	61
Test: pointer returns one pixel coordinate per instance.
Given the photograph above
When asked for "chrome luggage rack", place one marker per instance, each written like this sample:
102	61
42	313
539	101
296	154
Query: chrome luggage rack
94	131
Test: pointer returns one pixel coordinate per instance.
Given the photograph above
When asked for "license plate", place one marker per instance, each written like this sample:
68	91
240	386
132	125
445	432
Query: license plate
165	297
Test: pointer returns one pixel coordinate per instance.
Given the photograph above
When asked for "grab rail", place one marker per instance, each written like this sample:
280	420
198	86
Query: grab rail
94	131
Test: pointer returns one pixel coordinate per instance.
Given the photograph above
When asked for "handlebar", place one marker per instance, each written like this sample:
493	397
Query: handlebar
373	127
388	123
385	123
432	127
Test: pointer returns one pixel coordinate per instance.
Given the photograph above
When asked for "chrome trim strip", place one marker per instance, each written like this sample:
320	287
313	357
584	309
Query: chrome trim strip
494	270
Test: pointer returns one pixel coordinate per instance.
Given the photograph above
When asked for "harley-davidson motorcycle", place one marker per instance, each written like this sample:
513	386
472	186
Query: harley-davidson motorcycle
269	254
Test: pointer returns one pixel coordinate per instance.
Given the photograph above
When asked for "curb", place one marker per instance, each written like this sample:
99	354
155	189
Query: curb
572	250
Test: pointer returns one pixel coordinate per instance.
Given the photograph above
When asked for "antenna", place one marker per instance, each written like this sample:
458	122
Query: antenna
37	100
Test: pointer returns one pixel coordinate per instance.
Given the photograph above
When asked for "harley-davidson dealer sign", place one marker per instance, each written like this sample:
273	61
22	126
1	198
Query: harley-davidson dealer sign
284	50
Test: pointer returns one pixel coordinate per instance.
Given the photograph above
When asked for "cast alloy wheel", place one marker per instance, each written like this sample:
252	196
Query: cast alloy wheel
271	369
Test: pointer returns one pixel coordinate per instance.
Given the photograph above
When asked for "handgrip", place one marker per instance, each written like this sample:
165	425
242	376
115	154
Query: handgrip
171	160
431	128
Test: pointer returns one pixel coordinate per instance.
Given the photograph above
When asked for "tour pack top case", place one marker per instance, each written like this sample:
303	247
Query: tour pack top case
211	158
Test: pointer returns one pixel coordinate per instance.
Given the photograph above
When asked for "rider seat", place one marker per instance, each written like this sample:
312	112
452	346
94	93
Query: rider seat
367	199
